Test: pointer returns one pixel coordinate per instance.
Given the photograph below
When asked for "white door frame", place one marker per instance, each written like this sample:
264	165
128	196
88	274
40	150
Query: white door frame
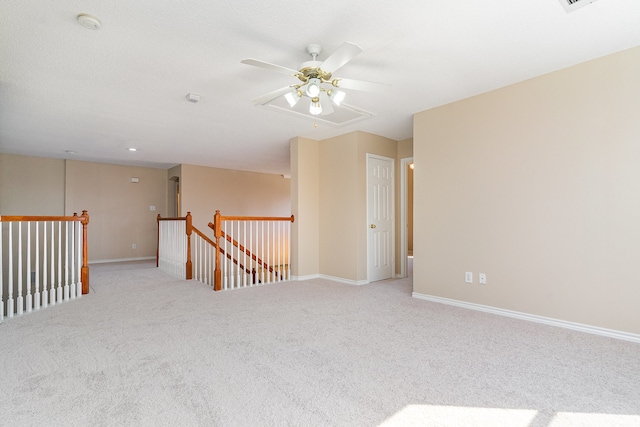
404	212
393	226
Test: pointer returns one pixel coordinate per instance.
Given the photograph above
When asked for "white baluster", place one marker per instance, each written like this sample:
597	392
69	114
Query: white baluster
72	241
244	252
66	261
288	251
45	295
261	264
223	261
279	253
240	272
10	302
195	261
267	253
274	258
59	289
29	301
253	252
20	299
36	294
79	252
52	287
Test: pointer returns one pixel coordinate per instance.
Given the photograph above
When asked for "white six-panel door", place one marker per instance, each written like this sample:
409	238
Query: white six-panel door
380	215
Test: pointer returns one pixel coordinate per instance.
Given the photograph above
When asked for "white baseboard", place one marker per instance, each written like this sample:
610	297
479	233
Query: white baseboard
611	333
332	278
346	281
307	277
104	261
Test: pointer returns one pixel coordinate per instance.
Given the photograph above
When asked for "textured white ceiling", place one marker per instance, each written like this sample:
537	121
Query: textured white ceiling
63	87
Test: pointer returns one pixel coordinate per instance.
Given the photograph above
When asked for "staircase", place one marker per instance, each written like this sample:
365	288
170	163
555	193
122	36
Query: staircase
244	251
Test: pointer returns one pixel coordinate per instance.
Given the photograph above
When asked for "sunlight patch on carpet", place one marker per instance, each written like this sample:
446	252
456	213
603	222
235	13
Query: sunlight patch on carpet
420	415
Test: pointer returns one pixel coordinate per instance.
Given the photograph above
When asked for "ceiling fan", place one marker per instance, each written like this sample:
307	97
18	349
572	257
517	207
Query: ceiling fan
316	80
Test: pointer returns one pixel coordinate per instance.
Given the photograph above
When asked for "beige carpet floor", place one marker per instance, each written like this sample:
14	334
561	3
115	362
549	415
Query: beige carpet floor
146	349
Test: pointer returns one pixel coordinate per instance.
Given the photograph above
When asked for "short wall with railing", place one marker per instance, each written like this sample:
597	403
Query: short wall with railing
173	245
244	251
44	261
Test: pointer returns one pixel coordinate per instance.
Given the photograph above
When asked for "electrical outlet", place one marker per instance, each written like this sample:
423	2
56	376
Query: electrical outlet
482	278
133	246
468	277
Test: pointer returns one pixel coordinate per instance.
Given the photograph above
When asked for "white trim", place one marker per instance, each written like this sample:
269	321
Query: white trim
307	277
345	281
103	261
332	278
611	333
404	213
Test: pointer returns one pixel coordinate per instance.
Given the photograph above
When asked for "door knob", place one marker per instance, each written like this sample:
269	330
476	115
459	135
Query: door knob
372	226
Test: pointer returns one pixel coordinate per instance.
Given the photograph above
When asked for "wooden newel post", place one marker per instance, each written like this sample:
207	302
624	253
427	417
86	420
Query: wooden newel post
217	232
189	231
84	271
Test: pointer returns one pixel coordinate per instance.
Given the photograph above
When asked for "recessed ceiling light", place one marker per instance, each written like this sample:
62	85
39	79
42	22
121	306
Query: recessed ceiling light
69	151
133	149
89	21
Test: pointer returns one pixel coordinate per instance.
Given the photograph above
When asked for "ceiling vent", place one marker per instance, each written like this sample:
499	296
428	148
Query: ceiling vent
571	5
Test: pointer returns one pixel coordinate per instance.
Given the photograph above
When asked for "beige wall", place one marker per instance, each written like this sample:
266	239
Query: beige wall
118	209
329	182
339	206
305	205
31	185
205	190
538	186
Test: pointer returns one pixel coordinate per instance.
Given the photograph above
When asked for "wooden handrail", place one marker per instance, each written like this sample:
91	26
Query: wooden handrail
256	218
16	218
83	219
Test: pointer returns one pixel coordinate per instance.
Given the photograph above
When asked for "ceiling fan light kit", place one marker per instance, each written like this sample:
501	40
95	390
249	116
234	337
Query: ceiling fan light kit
317	82
337	96
293	97
316	107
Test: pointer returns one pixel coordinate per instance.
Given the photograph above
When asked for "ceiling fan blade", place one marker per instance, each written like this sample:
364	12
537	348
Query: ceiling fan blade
337	59
363	85
271	95
327	105
269	66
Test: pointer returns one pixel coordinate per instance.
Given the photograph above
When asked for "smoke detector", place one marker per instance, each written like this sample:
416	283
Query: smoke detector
192	97
89	21
571	5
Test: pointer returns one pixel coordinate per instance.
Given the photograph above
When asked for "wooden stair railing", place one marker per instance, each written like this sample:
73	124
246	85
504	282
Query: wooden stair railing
189	229
219	233
40	269
244	250
213	244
